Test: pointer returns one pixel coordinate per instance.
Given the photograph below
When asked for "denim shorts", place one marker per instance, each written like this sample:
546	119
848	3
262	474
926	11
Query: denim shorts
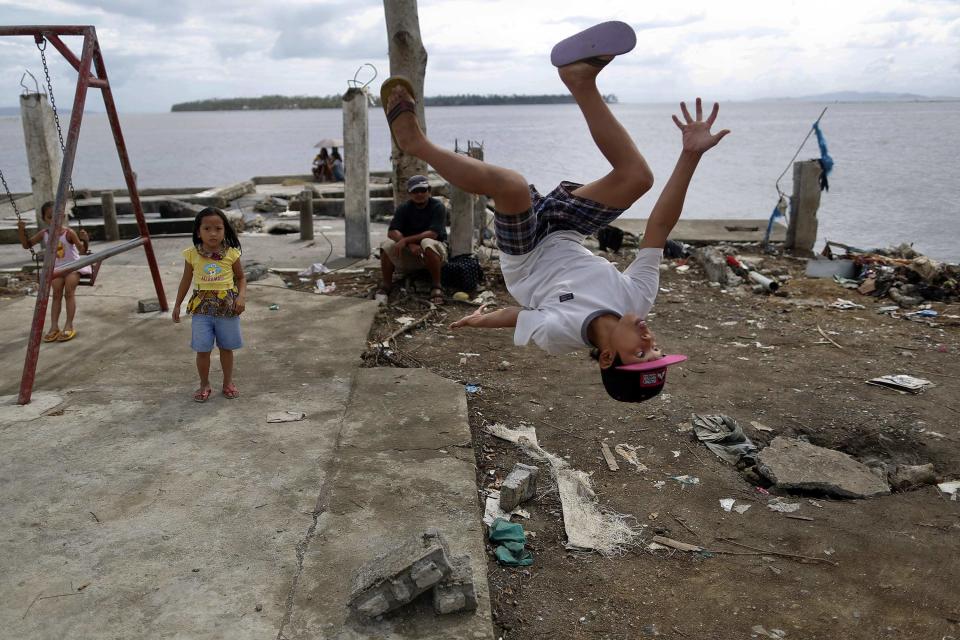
205	329
559	210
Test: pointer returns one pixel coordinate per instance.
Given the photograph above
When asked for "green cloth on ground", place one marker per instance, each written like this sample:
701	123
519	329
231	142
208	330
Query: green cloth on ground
510	538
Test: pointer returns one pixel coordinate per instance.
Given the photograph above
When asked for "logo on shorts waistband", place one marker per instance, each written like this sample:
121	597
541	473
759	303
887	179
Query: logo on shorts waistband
566	296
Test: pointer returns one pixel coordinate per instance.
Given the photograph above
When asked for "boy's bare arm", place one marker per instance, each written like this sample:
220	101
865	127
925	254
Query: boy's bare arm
185	281
498	319
697	139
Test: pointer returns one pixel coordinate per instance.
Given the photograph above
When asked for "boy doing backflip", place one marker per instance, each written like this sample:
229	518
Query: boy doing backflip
572	299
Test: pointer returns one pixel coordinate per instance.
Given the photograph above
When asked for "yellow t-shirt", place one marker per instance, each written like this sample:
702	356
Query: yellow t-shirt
210	274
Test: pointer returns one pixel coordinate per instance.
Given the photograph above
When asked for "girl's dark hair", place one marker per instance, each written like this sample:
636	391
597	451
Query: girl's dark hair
323	153
46	205
335	154
229	235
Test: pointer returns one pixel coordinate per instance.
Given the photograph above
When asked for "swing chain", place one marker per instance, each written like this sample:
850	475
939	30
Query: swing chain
42	46
13	202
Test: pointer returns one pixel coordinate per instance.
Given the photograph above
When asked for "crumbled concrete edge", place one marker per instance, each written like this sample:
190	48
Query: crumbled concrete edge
457	591
519	486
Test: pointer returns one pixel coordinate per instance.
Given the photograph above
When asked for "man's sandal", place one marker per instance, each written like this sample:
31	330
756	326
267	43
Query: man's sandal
202	395
402	106
590	45
52	335
436	296
230	391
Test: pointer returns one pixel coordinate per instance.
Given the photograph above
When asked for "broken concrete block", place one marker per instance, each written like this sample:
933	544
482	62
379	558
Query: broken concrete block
799	465
399	575
906	476
714	263
456	592
520	486
148	305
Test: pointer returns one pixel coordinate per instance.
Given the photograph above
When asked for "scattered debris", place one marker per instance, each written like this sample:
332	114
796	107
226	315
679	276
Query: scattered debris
797	465
509	541
520	486
316	269
905	476
608	457
629	453
727	504
673	544
686	480
902	383
951	488
760	427
741	508
456	592
776	634
471	387
779	505
840	303
286	416
724	437
274	307
397	576
149	305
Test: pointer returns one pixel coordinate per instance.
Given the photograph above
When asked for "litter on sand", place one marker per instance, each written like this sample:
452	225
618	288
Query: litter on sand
840	303
686	480
725	438
315	269
952	488
902	383
781	506
286	416
629	453
727	504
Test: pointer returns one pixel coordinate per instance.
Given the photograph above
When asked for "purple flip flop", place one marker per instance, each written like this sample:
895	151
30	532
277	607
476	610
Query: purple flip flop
605	39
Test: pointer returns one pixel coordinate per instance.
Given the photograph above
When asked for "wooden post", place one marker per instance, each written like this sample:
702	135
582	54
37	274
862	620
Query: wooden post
802	228
407	58
43	149
306	214
111	231
356	179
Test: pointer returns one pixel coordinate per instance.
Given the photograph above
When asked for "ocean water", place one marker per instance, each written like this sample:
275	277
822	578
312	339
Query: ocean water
896	177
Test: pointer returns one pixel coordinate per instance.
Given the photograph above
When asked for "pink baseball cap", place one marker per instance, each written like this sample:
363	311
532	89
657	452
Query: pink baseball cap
638	381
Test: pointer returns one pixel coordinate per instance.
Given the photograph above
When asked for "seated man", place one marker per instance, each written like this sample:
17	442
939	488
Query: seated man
415	239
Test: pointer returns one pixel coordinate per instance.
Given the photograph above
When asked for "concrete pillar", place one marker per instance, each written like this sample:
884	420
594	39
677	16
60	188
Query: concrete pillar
43	148
461	221
356	179
110	229
479	202
306	214
802	228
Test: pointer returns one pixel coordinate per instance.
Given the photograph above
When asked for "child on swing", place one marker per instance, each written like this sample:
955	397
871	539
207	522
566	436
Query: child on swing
70	246
570	298
212	266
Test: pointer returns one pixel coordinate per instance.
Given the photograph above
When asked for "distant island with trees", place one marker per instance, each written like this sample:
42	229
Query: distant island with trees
267	103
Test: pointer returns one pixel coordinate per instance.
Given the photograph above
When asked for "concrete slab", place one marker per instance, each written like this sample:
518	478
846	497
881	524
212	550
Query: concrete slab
161	517
403	464
709	231
797	465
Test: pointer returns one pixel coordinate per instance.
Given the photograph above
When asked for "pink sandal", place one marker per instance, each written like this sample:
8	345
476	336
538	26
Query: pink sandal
230	391
202	395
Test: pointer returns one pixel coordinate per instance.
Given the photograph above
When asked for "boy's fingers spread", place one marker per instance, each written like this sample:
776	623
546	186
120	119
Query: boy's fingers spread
699	110
686	114
676	121
713	113
719	136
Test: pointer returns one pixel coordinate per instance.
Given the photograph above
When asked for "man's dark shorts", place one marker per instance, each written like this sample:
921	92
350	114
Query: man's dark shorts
559	210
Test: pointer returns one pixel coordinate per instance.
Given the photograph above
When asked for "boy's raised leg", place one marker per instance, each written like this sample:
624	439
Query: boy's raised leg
631	176
507	187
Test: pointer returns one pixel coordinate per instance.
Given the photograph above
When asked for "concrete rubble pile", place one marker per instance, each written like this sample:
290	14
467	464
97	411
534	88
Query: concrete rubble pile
399	575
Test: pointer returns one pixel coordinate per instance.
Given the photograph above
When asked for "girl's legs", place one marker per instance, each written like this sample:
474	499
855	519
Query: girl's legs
226	363
56	298
203	368
70	290
630	177
508	188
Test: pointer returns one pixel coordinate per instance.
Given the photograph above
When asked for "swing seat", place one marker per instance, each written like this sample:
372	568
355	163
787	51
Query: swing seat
89	279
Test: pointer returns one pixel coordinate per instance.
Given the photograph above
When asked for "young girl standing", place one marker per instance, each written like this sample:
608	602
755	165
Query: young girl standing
219	296
70	245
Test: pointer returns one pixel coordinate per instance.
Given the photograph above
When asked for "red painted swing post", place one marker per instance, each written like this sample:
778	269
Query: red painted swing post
90	57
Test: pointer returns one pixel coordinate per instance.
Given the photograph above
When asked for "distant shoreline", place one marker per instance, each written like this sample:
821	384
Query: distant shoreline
275	103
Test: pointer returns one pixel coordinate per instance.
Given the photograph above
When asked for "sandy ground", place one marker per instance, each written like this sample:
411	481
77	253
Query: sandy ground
885	567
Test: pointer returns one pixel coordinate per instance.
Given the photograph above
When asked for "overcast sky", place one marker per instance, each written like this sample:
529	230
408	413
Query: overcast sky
159	52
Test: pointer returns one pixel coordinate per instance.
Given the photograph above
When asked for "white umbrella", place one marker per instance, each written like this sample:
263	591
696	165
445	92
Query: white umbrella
329	142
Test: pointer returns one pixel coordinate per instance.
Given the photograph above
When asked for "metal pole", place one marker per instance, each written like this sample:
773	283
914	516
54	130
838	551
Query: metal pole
306	214
99	256
53	233
128	174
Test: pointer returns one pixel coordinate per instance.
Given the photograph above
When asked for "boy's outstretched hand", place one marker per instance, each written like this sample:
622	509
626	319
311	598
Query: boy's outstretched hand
696	132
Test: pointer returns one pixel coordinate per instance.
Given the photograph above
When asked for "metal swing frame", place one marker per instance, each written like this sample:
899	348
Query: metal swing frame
90	59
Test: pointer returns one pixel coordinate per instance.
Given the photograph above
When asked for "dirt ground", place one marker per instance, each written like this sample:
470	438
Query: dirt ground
889	565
